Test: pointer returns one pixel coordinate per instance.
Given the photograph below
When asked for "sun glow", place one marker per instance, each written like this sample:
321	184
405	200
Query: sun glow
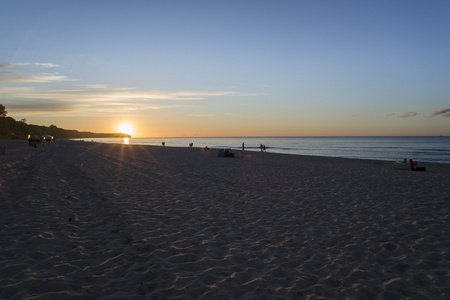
125	128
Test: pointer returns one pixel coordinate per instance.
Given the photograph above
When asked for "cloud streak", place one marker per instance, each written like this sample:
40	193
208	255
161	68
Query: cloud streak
442	112
76	101
46	65
409	114
106	94
9	77
41	65
12	77
12	65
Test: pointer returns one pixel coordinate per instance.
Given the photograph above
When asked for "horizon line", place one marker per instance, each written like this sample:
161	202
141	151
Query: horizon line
288	136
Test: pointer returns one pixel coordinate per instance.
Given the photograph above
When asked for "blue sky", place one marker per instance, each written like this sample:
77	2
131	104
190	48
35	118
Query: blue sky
228	68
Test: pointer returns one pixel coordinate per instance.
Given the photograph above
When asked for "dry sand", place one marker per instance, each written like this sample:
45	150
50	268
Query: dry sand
90	221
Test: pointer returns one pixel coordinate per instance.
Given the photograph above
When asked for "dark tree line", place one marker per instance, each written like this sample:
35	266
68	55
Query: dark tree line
12	129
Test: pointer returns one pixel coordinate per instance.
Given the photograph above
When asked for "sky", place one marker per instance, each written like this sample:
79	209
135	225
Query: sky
228	68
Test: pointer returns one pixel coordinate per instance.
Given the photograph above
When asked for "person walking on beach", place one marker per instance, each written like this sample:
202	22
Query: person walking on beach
242	146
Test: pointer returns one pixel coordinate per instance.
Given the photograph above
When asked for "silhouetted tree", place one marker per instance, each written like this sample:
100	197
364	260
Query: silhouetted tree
10	128
3	111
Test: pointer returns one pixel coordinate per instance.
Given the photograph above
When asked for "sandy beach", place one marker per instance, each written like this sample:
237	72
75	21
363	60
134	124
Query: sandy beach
102	221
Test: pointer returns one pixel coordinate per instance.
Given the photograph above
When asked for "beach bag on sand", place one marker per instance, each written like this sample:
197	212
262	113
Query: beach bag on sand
220	153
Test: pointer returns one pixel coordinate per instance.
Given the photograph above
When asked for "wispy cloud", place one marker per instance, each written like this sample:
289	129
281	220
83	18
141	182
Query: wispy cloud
253	94
44	106
100	100
46	65
12	65
41	65
13	77
9	77
390	115
409	114
442	112
109	95
96	86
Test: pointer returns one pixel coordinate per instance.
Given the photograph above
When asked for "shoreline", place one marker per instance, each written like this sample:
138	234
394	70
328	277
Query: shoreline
81	219
360	147
249	149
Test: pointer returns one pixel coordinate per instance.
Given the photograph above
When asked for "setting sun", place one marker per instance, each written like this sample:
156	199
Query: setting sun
125	128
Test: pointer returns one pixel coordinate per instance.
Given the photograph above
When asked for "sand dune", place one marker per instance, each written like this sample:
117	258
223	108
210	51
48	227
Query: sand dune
101	221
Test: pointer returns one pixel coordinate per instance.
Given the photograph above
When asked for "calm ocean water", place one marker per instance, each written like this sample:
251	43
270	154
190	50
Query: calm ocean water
425	149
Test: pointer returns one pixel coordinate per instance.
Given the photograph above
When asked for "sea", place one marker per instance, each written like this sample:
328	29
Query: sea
434	149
